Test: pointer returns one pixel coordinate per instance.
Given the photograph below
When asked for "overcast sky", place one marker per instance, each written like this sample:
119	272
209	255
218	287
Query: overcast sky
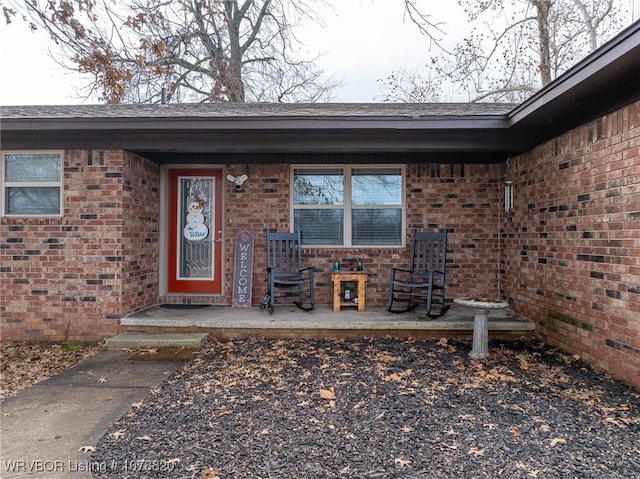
362	42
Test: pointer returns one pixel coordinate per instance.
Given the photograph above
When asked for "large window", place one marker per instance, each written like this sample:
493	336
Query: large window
31	183
349	205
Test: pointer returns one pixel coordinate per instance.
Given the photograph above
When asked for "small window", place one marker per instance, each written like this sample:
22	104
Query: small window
349	206
31	183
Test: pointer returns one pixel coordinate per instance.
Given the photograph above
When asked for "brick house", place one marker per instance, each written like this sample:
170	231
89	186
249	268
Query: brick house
93	198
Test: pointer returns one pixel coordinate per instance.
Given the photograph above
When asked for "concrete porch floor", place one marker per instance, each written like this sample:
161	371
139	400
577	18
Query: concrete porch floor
289	321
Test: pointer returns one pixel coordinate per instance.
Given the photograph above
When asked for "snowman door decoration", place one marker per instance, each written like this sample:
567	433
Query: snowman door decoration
195	230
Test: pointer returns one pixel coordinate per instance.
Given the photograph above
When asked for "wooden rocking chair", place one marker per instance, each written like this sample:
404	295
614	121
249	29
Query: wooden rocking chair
285	275
424	281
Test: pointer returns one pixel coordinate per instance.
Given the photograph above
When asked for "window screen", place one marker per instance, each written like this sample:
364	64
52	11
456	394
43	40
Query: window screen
348	206
32	183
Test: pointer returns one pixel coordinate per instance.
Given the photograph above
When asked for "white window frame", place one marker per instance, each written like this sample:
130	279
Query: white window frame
30	184
347	207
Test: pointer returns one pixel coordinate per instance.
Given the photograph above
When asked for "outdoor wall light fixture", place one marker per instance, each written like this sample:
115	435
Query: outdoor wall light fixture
238	180
508	195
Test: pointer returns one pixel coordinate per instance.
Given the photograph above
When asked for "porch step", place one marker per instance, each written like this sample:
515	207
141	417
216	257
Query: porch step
139	340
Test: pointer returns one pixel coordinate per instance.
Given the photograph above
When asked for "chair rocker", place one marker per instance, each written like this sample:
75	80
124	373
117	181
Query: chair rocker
424	281
286	277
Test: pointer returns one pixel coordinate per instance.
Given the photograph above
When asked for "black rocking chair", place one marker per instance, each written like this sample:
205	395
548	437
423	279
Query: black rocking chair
424	281
285	275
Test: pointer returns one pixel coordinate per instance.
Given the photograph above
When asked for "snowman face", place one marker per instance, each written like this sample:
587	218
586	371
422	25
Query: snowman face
194	207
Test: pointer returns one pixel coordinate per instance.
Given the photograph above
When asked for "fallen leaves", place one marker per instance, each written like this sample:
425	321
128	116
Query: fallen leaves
26	364
392	377
401	463
531	472
383	405
453	446
398	376
279	353
524	363
444	342
210	473
498	374
475	452
621	422
515	431
117	434
614	415
328	393
386	358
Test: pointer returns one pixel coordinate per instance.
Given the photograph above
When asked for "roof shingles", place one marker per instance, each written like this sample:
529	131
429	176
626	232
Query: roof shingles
256	110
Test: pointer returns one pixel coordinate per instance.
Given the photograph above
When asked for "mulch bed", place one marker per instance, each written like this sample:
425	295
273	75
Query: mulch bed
379	408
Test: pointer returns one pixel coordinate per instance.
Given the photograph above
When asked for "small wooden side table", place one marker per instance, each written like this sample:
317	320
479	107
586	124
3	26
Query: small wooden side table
359	277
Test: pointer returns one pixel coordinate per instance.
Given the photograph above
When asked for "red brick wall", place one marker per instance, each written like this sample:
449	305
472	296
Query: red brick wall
72	278
463	199
141	250
572	246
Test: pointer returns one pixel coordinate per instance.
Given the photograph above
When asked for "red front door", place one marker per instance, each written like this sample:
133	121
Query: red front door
195	226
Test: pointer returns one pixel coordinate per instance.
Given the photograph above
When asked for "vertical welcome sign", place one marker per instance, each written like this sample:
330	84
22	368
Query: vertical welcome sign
243	270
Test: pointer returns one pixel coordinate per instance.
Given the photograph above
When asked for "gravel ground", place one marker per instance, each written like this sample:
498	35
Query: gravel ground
380	408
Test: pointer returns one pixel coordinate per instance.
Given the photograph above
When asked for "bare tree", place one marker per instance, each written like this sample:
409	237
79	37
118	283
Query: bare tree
515	47
412	87
193	50
428	26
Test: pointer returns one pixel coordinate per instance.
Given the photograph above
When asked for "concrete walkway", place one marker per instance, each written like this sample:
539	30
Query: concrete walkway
45	428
